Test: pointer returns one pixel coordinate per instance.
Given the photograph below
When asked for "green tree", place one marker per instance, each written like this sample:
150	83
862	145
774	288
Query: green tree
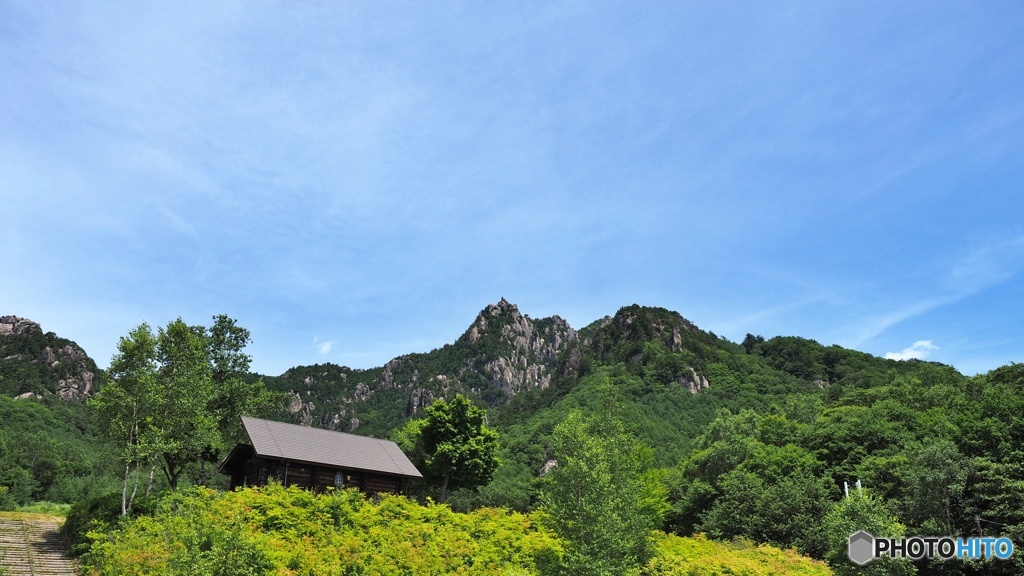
603	498
234	393
175	397
459	450
185	392
126	406
772	497
862	511
997	490
935	481
750	341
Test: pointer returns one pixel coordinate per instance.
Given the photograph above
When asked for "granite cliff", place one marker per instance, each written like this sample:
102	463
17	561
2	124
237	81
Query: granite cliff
36	364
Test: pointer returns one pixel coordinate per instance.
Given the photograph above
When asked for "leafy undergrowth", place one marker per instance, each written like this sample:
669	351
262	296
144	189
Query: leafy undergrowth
275	530
46	508
698	556
32	516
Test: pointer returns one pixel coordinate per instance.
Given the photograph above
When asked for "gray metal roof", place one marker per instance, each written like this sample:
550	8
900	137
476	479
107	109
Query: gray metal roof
293	442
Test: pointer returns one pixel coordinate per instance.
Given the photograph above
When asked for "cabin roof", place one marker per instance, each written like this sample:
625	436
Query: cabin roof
317	446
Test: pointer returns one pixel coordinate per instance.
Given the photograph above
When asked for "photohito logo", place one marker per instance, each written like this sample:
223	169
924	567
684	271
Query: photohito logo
863	548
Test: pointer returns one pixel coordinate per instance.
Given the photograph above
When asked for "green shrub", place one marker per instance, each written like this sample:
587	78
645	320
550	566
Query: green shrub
290	530
275	530
98	512
698	556
6	501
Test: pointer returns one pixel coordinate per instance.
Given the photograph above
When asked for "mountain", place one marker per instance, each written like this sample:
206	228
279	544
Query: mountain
671	380
34	363
502	354
753	439
49	448
518	366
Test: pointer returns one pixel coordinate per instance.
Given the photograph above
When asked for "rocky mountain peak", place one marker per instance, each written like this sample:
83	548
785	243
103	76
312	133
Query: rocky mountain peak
44	363
520	353
17	326
502	307
503	353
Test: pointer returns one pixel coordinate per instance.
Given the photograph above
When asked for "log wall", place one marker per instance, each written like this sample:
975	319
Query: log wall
259	471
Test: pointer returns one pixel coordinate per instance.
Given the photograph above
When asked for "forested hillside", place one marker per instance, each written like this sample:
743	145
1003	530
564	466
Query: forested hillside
750	440
756	439
49	448
34	363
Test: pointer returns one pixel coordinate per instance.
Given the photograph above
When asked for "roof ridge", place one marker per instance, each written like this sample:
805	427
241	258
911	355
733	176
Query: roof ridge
390	457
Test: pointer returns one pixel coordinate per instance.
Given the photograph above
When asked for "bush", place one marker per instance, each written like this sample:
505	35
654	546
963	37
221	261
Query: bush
275	530
698	556
261	530
96	513
73	489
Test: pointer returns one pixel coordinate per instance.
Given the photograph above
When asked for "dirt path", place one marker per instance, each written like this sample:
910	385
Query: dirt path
30	544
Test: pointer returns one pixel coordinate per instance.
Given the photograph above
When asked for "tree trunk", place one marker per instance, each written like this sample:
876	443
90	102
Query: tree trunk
149	487
444	488
135	488
124	491
172	475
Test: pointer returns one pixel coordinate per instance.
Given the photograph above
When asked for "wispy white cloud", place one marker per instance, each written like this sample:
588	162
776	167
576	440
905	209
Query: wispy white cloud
919	351
877	324
323	347
969	274
987	265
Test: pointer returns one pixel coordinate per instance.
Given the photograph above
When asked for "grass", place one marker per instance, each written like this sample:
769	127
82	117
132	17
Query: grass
29	515
46	508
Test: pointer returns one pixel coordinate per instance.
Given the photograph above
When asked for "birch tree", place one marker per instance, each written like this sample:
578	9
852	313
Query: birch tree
126	406
175	398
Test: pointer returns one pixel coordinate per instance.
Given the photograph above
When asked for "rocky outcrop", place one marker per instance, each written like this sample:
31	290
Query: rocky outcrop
693	382
387	379
548	467
78	387
501	354
509	350
303	410
531	348
571	362
60	367
420	399
362	393
17	326
676	342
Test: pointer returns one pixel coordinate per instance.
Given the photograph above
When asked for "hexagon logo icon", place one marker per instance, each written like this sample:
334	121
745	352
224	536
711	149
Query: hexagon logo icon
862	547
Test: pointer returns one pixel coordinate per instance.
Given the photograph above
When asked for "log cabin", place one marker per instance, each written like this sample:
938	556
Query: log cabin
316	459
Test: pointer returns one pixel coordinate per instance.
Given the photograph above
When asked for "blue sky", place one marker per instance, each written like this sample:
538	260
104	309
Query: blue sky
355	181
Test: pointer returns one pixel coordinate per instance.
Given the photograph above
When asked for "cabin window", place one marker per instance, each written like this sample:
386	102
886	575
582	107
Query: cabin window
339	480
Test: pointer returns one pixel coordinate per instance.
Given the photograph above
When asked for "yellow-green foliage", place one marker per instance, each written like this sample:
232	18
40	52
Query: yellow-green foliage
698	556
289	531
275	530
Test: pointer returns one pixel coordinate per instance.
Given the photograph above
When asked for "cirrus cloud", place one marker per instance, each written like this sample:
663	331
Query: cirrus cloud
323	347
918	351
